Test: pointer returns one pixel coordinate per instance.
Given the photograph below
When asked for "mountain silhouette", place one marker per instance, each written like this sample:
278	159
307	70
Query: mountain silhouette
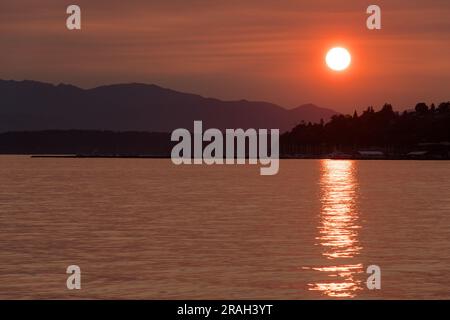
31	105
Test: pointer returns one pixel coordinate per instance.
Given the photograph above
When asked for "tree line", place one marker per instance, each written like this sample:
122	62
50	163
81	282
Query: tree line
385	129
393	132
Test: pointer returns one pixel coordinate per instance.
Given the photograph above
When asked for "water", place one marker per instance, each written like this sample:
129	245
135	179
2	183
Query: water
144	228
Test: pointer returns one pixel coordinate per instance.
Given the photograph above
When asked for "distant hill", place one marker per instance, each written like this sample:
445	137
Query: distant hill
30	105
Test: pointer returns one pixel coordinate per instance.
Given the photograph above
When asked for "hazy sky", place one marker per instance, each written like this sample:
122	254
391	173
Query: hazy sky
246	49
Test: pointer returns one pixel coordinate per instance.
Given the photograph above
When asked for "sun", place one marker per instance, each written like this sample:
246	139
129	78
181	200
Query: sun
338	59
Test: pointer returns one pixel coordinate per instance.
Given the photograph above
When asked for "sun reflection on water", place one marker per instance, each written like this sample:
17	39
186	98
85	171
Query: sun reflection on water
338	230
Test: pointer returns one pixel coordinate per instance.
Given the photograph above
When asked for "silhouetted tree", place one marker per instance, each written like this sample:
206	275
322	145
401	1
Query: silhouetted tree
421	108
444	107
433	108
385	128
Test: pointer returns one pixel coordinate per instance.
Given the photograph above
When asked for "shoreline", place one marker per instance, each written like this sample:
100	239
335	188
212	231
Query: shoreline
284	157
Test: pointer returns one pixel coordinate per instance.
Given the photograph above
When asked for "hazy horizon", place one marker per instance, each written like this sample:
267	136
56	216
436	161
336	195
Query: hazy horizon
258	50
311	103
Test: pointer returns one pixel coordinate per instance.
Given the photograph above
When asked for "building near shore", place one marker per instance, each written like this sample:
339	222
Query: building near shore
371	154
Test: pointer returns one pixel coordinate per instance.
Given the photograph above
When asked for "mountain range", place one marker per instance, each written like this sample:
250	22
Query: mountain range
31	105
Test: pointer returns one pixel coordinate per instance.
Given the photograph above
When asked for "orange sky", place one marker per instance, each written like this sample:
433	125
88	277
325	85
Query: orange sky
256	50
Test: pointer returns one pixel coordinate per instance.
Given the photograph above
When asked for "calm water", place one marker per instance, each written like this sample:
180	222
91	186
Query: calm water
141	228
